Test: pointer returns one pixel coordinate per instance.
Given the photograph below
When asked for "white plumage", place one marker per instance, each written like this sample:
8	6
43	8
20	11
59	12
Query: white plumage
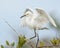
36	19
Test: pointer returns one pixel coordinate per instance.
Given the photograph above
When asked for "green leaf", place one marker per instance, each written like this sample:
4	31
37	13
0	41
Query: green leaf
13	44
7	42
2	46
21	41
55	41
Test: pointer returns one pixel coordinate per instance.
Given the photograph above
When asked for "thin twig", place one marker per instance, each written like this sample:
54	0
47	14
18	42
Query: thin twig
48	46
10	26
31	45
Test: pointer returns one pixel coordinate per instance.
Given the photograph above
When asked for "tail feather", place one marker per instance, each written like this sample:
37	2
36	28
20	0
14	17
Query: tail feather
52	21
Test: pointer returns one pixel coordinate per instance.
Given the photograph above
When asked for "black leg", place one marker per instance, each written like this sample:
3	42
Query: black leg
34	35
37	41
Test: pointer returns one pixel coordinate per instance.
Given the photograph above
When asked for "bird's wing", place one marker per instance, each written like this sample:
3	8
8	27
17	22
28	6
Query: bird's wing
42	12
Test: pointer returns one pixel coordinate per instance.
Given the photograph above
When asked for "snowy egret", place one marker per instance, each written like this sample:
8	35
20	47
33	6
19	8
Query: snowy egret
36	19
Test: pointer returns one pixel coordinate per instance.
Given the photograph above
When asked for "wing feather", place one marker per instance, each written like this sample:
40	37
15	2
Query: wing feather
42	12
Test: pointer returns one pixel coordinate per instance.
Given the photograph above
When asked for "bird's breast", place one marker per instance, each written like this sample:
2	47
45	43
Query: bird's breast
30	22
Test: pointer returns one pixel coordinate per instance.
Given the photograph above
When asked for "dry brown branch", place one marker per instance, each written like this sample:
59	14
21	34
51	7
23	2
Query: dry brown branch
31	45
49	46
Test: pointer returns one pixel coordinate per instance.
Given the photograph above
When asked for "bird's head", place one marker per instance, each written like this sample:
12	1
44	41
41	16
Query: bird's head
27	13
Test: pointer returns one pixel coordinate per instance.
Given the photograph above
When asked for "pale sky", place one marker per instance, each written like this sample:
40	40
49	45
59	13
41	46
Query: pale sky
11	10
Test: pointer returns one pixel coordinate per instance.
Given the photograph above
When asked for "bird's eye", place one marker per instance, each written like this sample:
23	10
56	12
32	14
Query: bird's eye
27	14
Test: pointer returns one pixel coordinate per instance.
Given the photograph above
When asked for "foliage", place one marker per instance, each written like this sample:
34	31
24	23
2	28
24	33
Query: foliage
21	41
1	46
10	44
55	41
7	43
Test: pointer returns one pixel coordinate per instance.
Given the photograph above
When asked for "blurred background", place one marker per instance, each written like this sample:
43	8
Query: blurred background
11	10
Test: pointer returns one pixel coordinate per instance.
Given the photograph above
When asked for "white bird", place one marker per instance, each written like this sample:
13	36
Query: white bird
36	19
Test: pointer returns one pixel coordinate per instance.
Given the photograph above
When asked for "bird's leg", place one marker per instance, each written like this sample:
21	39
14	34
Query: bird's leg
37	40
34	35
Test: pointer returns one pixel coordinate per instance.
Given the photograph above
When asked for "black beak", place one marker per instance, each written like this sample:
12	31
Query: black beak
22	16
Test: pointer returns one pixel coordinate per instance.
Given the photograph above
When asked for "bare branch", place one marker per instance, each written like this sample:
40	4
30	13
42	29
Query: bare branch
49	46
10	26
